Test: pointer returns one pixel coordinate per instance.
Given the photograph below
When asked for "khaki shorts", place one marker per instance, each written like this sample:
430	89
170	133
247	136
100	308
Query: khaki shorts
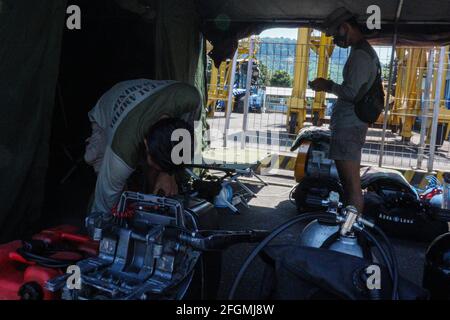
347	143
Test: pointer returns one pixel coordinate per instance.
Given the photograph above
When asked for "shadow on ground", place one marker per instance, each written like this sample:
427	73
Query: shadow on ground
268	210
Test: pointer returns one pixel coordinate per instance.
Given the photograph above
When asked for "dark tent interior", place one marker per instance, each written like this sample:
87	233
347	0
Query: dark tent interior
50	77
113	45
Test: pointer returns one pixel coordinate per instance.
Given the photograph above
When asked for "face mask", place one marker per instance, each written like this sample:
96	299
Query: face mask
340	40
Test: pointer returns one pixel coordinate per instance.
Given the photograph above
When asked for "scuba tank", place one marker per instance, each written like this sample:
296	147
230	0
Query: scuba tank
336	237
316	233
348	245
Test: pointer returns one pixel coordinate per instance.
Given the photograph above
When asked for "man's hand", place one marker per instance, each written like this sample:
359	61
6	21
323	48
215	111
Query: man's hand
166	184
321	84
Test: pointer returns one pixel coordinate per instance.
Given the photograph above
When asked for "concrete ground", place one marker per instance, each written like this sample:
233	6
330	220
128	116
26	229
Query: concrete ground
271	208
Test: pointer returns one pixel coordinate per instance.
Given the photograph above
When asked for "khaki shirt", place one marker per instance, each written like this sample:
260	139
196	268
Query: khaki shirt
359	73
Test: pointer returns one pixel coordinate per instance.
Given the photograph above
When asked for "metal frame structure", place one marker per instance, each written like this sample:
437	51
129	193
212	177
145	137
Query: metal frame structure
416	76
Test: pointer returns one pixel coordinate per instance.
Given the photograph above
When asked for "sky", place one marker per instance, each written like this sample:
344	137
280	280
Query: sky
280	32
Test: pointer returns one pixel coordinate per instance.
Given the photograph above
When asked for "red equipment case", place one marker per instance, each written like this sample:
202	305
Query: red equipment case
24	279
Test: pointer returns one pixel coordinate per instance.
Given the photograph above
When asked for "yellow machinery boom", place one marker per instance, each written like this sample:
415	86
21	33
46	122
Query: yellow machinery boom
323	47
297	103
218	85
219	82
411	70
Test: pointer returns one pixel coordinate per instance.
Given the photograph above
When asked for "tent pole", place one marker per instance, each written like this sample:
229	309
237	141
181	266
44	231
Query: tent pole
437	104
248	87
230	98
386	106
425	107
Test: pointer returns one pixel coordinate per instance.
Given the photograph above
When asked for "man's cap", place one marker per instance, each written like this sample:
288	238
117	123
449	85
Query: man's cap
335	19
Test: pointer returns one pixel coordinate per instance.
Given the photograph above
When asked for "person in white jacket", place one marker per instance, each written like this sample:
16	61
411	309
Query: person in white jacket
131	119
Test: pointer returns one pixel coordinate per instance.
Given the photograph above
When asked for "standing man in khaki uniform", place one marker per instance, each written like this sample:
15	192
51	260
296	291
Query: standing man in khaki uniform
348	132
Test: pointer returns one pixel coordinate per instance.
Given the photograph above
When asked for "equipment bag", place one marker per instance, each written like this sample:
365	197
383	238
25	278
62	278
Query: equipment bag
369	107
302	273
405	218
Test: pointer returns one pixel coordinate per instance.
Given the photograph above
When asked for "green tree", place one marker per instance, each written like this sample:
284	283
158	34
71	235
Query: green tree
264	77
385	71
281	78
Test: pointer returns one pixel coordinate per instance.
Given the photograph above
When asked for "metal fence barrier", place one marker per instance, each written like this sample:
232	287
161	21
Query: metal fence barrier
257	113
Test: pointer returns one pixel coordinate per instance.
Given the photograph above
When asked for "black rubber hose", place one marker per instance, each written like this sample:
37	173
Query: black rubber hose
330	240
393	257
45	261
385	257
270	237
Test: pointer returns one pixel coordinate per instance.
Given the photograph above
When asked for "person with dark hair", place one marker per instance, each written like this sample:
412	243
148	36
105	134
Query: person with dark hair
348	131
140	117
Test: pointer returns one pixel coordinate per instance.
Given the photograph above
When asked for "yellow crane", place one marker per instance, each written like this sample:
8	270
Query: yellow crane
411	71
322	46
220	78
